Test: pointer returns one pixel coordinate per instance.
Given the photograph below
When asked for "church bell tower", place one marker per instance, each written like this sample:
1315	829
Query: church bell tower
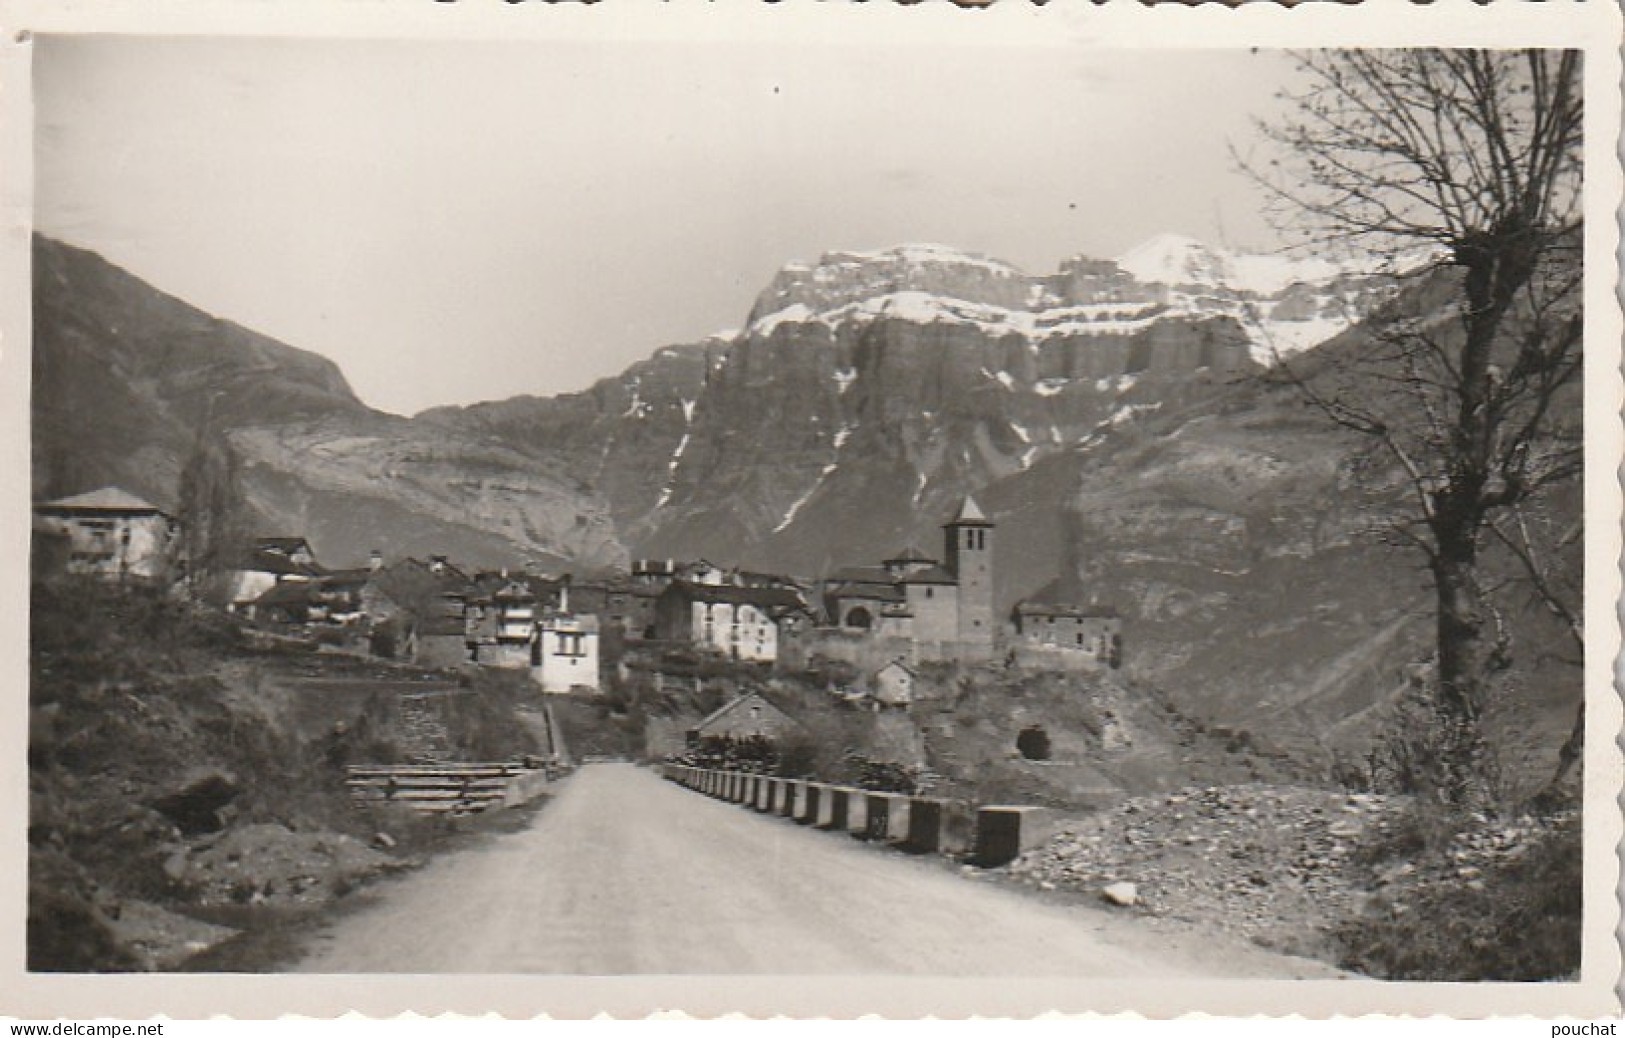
968	553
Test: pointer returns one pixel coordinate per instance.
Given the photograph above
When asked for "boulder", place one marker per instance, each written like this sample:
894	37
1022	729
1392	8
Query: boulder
1120	893
199	804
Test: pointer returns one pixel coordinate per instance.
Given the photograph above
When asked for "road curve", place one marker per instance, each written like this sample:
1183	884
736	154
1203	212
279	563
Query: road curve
624	873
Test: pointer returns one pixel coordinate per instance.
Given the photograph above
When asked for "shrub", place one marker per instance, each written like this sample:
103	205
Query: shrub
1518	920
1425	751
881	776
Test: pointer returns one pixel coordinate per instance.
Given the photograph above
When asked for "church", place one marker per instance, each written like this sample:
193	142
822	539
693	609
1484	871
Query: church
941	608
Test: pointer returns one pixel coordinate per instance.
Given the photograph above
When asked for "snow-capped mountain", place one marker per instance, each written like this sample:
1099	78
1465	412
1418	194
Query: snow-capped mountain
864	394
1284	304
867	390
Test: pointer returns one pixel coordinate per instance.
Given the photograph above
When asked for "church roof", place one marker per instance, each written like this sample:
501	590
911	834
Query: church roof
861	575
910	554
971	514
930	575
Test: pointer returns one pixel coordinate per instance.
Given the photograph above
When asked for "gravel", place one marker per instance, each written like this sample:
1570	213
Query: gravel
1270	863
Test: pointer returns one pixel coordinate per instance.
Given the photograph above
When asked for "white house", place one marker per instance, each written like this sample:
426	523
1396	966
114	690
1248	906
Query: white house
112	533
564	653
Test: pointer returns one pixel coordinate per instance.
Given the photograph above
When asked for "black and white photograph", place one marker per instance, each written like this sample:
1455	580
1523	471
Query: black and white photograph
973	502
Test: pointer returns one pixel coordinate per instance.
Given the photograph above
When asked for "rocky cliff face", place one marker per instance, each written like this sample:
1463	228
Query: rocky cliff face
127	379
868	391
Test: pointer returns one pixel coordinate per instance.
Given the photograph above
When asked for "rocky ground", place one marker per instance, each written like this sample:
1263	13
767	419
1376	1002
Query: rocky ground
1314	872
1266	862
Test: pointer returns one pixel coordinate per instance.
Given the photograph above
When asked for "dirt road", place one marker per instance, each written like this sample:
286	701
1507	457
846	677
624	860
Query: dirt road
624	873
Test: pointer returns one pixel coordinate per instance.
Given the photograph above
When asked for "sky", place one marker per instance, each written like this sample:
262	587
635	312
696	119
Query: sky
463	220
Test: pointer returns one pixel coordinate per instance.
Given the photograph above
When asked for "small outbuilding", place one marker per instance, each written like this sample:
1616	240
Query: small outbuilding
749	715
894	684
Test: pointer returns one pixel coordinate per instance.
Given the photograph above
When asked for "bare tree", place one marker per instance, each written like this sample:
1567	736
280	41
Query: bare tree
1473	159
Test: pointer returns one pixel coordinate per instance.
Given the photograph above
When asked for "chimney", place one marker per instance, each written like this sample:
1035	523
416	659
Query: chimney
375	560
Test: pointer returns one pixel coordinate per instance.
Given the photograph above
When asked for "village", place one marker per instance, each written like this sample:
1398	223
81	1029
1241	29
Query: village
566	632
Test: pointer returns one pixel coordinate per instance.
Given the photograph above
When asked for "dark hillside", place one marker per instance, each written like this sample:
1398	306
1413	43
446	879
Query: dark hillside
168	751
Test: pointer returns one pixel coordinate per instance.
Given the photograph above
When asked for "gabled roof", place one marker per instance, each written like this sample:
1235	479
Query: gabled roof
285	545
345	579
752	578
765	597
259	560
869	592
737	702
861	575
107	499
900	665
512	586
293	592
584	622
1063	596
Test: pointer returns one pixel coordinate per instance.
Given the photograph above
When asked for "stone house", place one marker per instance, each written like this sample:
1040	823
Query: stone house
402	596
894	684
624	605
747	716
501	613
1061	619
439	641
742	622
113	534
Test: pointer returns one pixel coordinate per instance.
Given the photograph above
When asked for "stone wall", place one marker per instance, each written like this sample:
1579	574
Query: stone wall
1048	657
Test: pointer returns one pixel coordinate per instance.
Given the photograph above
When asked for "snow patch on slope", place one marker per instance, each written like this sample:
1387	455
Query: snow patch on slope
790	516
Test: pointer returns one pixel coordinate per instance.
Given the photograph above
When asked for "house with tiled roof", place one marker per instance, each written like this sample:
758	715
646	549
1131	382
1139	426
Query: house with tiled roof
264	564
626	606
1064	619
742	622
112	533
748	716
565	653
502	610
287	603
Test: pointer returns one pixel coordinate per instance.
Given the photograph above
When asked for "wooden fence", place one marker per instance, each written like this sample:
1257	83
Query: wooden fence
447	788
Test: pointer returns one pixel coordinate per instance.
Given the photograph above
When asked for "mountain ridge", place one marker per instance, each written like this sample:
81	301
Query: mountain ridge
1227	522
